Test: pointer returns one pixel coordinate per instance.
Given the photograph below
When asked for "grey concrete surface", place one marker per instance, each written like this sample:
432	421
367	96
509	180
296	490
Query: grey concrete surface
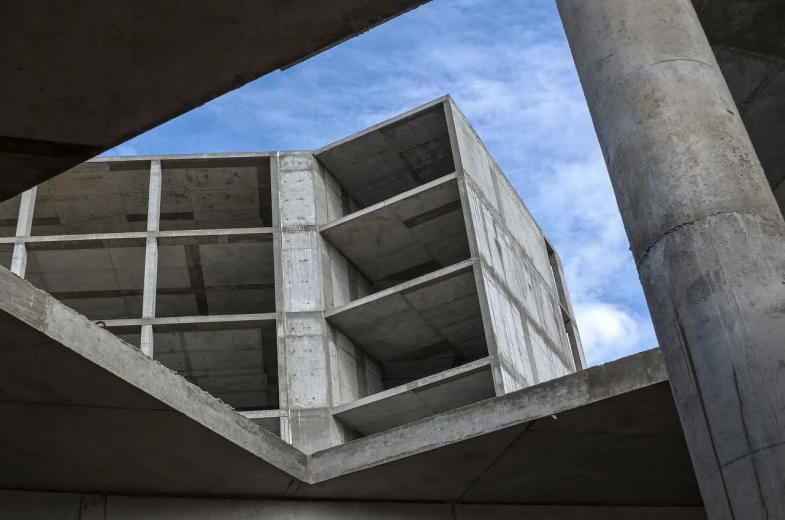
414	233
393	157
168	437
615	440
705	232
83	410
460	386
258	278
524	317
419	319
747	40
115	78
62	506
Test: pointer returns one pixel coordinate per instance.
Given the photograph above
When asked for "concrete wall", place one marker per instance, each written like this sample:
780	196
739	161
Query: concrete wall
16	505
525	325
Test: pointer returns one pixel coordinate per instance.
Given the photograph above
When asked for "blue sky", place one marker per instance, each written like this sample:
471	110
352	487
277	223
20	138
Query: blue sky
508	67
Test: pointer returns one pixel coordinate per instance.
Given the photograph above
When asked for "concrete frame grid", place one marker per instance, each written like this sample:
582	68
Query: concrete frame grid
338	310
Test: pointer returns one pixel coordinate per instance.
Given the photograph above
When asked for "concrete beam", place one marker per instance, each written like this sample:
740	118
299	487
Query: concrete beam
187	323
21	505
705	232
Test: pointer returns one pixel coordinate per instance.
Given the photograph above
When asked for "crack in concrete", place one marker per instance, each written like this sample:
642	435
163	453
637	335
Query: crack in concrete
639	261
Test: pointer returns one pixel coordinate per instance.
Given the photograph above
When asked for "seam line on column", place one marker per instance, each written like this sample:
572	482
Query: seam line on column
654	242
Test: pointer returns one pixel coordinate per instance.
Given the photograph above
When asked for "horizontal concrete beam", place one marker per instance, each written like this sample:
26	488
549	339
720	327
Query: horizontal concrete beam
139	238
21	505
190	323
117	55
441	274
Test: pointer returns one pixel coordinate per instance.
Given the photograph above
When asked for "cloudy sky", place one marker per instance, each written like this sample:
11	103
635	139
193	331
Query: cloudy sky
508	67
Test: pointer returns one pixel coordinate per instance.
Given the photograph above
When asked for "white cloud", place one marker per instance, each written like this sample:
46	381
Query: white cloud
123	149
608	330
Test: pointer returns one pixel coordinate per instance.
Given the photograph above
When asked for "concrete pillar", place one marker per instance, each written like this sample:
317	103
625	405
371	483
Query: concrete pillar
706	235
24	226
151	256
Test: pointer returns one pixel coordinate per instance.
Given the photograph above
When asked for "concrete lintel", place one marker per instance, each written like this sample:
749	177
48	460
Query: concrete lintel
389	202
550	398
188	323
421	281
263	414
215	236
460	386
139	238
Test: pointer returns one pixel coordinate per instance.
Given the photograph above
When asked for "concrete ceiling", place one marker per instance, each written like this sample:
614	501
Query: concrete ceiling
82	76
748	39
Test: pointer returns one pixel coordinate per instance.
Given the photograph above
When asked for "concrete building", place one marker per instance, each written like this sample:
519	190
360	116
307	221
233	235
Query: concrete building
327	295
687	101
374	329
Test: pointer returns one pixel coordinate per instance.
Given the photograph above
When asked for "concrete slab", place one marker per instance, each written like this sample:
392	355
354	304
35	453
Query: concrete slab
411	234
83	411
461	386
411	321
392	157
70	106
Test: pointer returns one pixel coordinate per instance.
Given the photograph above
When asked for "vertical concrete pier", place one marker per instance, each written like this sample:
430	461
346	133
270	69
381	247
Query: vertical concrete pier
706	234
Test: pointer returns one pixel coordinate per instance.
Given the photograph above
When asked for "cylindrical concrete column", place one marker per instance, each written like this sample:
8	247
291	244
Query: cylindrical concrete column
706	235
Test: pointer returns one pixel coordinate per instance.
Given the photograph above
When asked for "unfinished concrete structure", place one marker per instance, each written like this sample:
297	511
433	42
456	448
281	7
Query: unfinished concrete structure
328	295
90	424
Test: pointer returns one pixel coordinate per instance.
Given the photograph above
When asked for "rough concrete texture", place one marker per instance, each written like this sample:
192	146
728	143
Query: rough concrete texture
61	506
62	104
747	40
167	437
262	280
74	396
524	317
705	232
425	397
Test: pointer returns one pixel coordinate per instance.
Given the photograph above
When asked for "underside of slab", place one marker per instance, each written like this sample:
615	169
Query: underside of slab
83	411
420	327
461	386
130	66
415	233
